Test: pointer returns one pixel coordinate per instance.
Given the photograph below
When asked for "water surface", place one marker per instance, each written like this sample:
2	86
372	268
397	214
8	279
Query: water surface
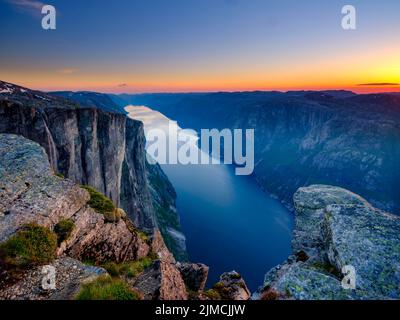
229	222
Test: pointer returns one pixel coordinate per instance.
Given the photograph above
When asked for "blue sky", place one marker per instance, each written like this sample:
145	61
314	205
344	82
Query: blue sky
185	45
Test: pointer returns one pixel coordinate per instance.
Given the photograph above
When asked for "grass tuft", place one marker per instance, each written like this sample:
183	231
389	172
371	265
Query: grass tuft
213	294
129	269
63	230
106	288
99	202
32	245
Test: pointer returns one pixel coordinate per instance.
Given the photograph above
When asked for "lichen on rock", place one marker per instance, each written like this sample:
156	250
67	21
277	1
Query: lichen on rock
337	228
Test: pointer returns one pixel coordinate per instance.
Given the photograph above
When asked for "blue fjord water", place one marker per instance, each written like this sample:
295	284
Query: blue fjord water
229	222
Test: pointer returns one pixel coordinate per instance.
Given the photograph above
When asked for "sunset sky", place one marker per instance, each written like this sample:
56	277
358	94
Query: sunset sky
201	45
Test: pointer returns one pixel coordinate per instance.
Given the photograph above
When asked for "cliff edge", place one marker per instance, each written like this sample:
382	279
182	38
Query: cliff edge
339	240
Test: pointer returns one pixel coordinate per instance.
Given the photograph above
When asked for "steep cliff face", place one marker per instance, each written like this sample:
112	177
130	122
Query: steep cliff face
164	203
334	229
89	146
303	138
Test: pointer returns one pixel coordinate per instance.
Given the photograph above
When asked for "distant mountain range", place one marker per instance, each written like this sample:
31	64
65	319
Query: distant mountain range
92	99
304	137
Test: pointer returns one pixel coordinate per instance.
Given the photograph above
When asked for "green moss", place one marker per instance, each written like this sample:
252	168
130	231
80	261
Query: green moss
99	202
134	269
112	268
60	175
129	269
327	268
142	235
32	245
63	229
236	276
106	288
288	292
153	255
218	285
213	294
88	261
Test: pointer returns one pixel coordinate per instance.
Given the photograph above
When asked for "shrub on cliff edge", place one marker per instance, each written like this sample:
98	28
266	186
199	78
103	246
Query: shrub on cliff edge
32	245
99	202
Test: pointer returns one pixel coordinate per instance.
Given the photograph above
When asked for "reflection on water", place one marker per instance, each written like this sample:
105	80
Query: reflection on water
229	223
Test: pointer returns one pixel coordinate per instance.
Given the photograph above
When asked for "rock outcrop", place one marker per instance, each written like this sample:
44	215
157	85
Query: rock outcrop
194	275
338	232
31	193
69	277
162	281
231	286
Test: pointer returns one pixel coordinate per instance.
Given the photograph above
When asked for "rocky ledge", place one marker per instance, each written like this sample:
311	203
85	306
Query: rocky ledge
337	231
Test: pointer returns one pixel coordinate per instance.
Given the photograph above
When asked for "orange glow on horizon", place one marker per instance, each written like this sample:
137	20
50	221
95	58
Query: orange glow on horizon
344	71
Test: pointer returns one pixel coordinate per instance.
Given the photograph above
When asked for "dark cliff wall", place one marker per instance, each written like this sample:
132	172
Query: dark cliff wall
164	203
89	146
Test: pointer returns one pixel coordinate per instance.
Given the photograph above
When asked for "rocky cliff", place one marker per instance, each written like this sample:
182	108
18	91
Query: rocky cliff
337	229
48	220
91	147
164	203
162	193
30	194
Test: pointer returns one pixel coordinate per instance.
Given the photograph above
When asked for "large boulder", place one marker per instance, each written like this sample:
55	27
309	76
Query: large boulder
162	281
70	275
194	275
335	231
231	286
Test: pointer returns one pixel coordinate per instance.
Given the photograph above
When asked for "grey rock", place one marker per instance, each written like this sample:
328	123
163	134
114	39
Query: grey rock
70	275
232	287
337	228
